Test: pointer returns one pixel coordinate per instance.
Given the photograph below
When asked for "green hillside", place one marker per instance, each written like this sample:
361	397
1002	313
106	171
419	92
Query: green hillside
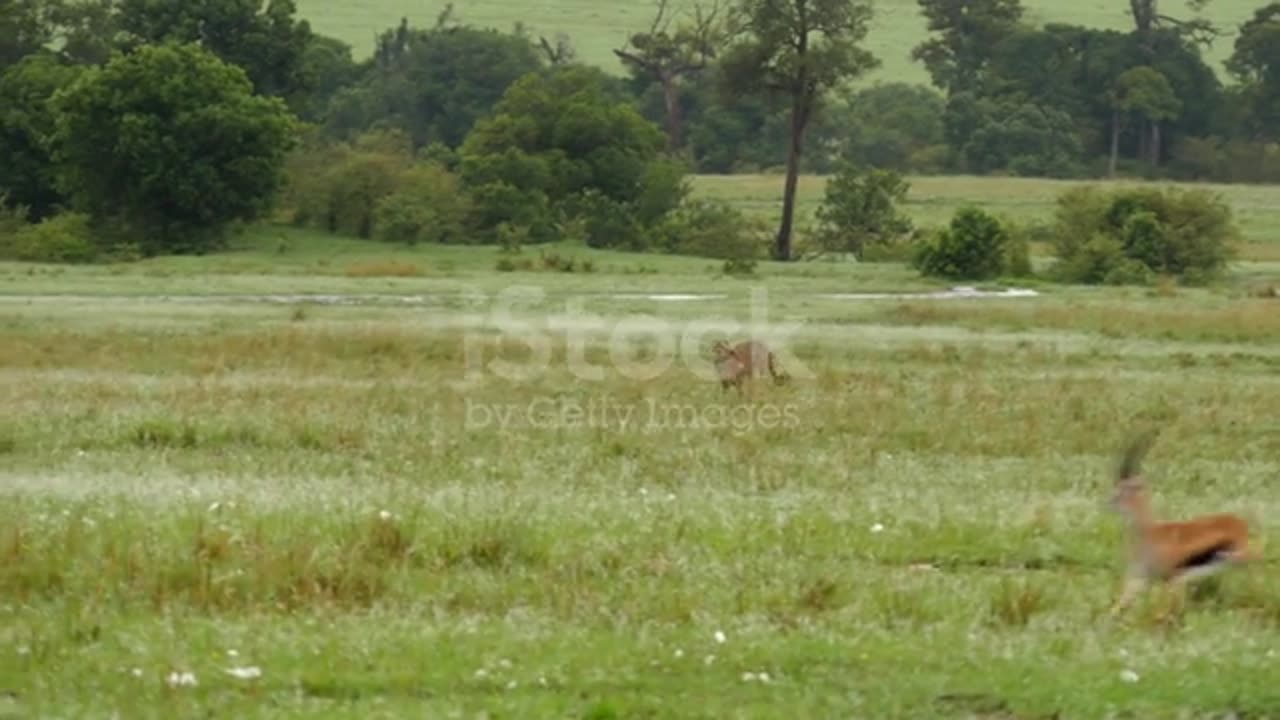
598	26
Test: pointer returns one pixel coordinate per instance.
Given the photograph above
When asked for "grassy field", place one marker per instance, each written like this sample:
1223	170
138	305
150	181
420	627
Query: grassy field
305	508
596	27
372	499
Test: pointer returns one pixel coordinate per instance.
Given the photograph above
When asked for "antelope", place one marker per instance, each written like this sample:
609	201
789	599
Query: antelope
738	363
1171	552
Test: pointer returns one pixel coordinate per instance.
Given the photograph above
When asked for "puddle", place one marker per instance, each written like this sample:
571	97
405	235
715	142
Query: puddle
955	293
667	297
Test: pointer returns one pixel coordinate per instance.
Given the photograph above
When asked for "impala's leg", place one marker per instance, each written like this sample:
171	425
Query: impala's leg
1133	584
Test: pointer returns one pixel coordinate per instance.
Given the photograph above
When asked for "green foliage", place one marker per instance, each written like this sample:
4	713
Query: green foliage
860	209
327	68
261	37
26	123
974	246
557	146
1132	234
428	205
1145	91
170	142
374	187
1021	138
64	238
433	84
1255	62
967	32
800	50
714	229
894	126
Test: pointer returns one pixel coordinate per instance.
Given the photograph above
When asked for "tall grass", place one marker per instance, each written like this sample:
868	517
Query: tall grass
913	527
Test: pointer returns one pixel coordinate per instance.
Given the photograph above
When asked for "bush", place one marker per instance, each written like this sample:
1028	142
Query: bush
973	247
1183	233
64	238
859	210
713	229
428	206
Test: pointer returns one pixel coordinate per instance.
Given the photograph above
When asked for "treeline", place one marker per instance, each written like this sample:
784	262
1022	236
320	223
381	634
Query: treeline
135	127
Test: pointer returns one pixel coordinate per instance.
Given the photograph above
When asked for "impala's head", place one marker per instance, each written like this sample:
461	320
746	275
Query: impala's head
720	349
1130	491
1129	495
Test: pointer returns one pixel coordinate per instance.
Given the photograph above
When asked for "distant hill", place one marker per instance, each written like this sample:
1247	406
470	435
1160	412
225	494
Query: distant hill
597	26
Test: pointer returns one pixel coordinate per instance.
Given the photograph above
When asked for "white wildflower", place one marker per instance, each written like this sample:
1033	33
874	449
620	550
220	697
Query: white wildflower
183	679
1129	676
877	528
385	515
678	653
245	673
719	637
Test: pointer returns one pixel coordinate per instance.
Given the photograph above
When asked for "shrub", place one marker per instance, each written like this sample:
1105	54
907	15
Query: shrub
713	229
972	247
859	210
1184	233
64	238
428	206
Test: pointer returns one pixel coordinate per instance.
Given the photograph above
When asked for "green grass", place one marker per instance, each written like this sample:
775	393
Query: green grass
285	261
912	527
596	27
201	474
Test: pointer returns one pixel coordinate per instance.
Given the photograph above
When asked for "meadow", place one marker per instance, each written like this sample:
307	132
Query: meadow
596	27
291	480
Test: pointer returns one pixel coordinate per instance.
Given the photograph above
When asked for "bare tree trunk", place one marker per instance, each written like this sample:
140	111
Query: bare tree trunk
782	246
675	118
1115	143
1155	143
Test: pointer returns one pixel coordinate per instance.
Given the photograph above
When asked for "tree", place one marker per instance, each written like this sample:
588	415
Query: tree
1255	62
668	57
1147	19
432	83
1144	91
860	209
968	31
264	40
973	246
24	28
557	146
327	67
889	125
26	124
170	144
800	49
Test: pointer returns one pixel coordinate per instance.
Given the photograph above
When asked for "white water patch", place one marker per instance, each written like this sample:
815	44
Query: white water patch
955	293
668	297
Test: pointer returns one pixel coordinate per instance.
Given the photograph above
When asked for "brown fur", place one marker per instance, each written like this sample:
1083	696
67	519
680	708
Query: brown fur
1174	552
739	363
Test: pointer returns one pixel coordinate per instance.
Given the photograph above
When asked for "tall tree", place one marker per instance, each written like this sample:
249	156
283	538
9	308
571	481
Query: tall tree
1145	92
24	28
1147	19
170	145
668	56
801	49
26	123
967	31
264	39
1255	62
